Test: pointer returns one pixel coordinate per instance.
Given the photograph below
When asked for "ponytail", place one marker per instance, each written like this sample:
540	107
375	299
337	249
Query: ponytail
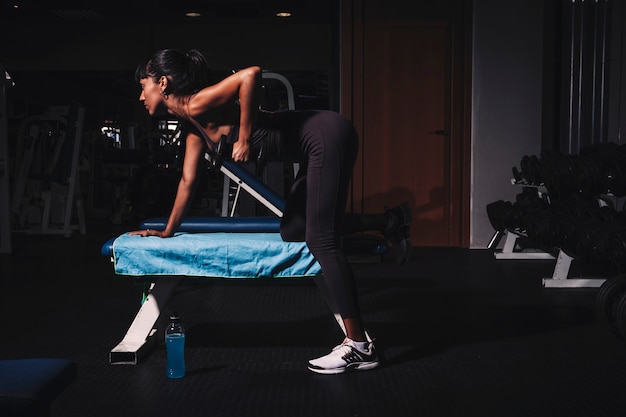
198	68
188	72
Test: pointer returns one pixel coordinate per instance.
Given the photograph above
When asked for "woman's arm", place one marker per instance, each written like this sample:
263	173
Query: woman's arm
243	85
248	111
194	154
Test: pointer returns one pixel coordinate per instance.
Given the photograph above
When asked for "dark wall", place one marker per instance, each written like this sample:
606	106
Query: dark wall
119	45
55	62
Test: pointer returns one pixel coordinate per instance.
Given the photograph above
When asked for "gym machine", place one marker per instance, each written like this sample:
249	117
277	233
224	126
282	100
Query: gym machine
46	193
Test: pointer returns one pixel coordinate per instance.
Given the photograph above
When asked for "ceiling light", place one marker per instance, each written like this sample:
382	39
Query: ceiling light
193	14
283	14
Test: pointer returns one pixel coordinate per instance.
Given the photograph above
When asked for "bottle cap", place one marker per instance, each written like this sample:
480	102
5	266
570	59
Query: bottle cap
175	316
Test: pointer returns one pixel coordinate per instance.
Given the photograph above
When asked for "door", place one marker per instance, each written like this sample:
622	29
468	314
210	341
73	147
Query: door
401	103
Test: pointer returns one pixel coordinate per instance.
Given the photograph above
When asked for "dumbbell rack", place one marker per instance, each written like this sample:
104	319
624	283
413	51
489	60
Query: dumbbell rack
561	270
560	277
510	251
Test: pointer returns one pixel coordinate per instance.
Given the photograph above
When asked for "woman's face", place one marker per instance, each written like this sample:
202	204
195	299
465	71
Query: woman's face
151	96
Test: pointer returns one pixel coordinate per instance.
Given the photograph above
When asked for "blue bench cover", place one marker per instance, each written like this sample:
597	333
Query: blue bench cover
220	254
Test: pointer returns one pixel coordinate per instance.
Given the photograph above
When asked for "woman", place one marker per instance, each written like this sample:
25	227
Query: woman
324	143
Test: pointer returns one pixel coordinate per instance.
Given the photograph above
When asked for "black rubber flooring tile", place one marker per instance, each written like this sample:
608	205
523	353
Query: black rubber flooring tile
460	334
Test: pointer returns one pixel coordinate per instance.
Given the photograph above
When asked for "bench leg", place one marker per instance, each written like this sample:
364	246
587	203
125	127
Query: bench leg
141	333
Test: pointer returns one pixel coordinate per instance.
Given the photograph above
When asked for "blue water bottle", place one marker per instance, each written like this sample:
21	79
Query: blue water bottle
175	345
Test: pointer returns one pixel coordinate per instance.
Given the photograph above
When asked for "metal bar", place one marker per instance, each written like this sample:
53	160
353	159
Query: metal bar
5	205
77	130
560	276
603	71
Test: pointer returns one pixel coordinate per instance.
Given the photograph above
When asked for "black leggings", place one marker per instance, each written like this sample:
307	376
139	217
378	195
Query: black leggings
329	144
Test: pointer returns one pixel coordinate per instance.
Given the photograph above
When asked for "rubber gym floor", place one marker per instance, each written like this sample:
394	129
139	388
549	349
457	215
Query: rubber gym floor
461	333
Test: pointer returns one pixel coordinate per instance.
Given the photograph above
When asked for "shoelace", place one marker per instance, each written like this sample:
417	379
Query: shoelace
342	344
346	344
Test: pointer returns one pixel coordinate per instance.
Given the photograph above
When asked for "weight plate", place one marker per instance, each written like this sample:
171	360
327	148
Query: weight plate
609	294
620	316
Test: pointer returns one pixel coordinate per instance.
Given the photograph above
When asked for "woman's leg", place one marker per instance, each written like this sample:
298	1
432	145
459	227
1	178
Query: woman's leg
331	145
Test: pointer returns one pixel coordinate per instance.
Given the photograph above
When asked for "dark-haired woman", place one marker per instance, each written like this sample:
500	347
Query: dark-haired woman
323	142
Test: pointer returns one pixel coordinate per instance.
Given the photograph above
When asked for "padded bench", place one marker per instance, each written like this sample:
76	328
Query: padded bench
213	247
164	263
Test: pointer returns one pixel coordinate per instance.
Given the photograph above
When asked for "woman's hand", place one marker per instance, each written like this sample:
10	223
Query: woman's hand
147	232
241	151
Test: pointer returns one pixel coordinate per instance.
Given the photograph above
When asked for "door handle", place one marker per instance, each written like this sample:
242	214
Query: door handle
440	132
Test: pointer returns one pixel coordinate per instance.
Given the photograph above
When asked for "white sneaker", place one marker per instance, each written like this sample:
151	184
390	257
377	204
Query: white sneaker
347	356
